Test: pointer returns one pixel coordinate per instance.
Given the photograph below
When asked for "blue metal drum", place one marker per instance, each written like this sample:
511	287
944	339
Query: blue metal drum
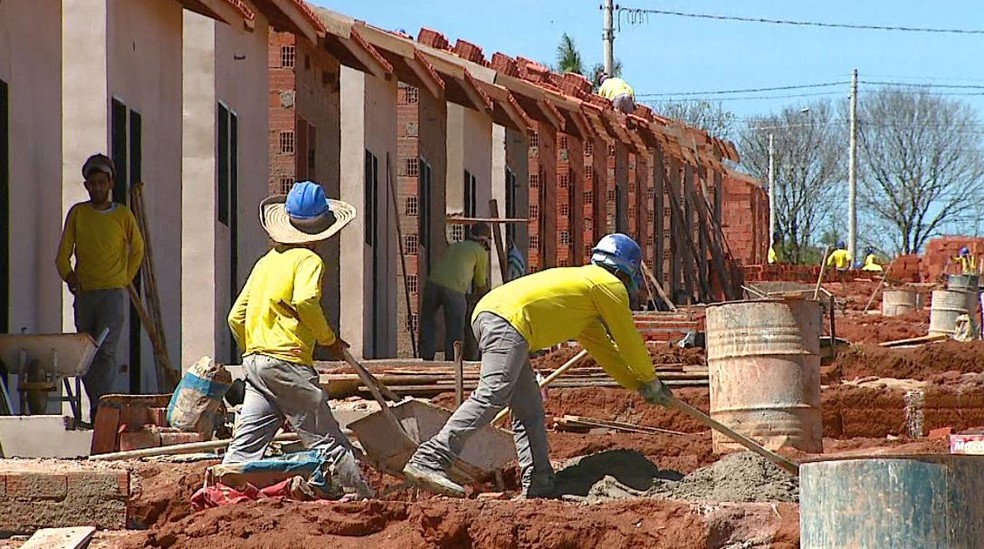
919	502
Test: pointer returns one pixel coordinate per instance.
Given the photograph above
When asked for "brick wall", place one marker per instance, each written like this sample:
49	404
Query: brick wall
282	110
745	220
570	200
542	197
939	251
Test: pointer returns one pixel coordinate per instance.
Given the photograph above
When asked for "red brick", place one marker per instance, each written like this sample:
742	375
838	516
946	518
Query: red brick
469	51
104	431
170	439
432	38
157	416
504	64
37	495
139	440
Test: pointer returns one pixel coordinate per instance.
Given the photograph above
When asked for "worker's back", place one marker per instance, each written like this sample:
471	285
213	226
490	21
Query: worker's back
614	87
555	305
462	263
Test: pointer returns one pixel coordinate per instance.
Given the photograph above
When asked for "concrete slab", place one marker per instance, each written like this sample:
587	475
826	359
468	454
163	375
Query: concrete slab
41	437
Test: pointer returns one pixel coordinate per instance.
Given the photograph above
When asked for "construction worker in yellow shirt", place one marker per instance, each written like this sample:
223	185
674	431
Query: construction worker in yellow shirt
277	320
871	262
967	262
840	258
589	304
103	237
618	91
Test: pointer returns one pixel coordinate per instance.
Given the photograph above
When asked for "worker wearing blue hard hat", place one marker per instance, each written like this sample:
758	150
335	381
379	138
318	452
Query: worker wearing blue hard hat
967	262
589	304
840	258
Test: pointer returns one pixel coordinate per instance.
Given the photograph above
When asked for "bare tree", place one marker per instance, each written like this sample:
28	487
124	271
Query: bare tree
710	117
921	165
809	162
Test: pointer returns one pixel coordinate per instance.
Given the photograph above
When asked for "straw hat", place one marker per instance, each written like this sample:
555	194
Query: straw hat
304	215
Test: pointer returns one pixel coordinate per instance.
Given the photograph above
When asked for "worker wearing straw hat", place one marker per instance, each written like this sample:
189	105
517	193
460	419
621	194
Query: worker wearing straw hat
277	320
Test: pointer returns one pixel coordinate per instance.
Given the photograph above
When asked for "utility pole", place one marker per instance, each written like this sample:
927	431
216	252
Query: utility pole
772	190
852	183
608	36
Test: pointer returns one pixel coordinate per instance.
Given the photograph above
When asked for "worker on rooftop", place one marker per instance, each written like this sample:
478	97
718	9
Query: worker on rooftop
464	265
108	248
277	320
617	91
871	264
967	262
589	304
840	257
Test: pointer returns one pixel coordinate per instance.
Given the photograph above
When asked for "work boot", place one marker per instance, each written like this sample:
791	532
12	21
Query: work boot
541	486
433	480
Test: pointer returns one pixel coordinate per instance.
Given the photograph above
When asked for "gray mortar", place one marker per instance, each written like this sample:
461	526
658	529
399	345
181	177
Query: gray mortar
619	474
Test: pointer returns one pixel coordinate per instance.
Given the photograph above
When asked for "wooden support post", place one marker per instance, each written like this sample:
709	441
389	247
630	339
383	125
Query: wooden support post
658	286
498	240
459	375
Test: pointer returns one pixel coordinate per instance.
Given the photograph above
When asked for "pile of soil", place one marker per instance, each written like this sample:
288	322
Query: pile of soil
921	362
620	474
865	328
161	492
660	353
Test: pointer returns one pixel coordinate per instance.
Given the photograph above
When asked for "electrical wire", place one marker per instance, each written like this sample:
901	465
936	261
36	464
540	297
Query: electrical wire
748	90
636	16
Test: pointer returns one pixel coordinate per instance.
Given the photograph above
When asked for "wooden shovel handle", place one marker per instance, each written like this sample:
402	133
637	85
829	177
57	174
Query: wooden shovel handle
678	404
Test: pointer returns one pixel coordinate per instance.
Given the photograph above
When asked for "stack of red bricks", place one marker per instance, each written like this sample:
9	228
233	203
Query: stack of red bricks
668	327
908	268
745	219
134	422
940	251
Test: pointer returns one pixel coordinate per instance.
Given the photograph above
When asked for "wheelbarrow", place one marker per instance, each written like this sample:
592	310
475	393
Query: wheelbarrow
391	435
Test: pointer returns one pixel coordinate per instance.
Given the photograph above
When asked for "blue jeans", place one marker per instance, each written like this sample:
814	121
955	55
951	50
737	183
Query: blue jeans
96	310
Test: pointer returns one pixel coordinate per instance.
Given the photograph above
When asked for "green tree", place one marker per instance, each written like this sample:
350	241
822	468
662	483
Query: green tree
568	58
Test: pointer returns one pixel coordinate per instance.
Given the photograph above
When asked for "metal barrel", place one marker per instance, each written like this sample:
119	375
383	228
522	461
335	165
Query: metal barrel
969	284
947	305
929	501
899	302
763	360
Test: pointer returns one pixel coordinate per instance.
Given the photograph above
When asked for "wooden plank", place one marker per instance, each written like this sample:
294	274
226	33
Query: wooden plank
499	241
494	219
75	537
915	340
659	287
618	425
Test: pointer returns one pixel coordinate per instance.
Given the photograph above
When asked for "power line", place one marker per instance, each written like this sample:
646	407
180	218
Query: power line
747	90
747	98
635	16
925	85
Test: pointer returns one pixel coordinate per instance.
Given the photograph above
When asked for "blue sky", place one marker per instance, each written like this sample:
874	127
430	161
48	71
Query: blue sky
670	54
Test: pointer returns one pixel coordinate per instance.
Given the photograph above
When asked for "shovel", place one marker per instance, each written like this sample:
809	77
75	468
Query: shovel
675	403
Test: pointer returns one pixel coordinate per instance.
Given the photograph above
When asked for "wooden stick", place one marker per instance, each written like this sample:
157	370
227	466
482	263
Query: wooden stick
677	404
546	381
166	374
823	269
659	288
617	425
494	219
498	241
459	375
399	240
377	389
884	282
187	448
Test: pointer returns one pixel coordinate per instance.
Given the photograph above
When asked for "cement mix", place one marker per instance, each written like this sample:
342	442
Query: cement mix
620	474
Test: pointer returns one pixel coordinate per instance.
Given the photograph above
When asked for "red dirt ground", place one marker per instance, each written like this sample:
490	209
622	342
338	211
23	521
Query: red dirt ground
921	362
863	328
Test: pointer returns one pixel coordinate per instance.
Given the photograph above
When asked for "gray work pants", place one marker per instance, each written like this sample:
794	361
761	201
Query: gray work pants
506	378
454	304
624	103
96	310
277	390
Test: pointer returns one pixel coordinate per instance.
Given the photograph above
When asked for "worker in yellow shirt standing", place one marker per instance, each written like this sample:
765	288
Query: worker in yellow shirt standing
589	304
463	264
108	249
618	91
966	261
871	264
277	320
840	258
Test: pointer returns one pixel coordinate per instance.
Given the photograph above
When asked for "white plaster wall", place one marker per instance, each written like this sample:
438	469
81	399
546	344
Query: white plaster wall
226	64
198	193
368	121
454	187
144	52
477	157
498	192
32	70
85	109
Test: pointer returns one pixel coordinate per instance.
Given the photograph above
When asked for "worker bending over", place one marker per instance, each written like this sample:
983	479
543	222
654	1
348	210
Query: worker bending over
589	304
277	320
840	258
108	249
871	264
617	91
967	262
463	264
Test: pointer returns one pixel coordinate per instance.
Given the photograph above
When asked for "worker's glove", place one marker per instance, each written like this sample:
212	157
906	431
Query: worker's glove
656	392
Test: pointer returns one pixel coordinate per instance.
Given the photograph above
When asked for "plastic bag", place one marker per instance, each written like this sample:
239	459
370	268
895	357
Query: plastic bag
198	398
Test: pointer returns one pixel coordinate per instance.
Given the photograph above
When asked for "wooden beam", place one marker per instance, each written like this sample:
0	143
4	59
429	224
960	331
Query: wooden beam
498	240
302	24
453	218
426	74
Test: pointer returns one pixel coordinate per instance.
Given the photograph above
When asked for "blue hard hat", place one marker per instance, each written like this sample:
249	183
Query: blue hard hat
619	252
841	245
965	251
306	200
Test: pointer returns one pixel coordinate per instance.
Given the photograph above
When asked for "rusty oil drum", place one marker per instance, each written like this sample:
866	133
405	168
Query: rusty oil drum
763	360
924	501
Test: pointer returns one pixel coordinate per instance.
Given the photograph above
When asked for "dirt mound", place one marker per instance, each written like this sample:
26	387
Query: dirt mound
737	477
622	405
162	491
918	363
660	353
864	328
438	523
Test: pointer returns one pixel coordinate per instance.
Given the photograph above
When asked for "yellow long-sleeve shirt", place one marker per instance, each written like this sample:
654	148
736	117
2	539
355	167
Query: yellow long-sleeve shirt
614	87
871	264
279	313
967	264
839	258
564	303
462	263
107	245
